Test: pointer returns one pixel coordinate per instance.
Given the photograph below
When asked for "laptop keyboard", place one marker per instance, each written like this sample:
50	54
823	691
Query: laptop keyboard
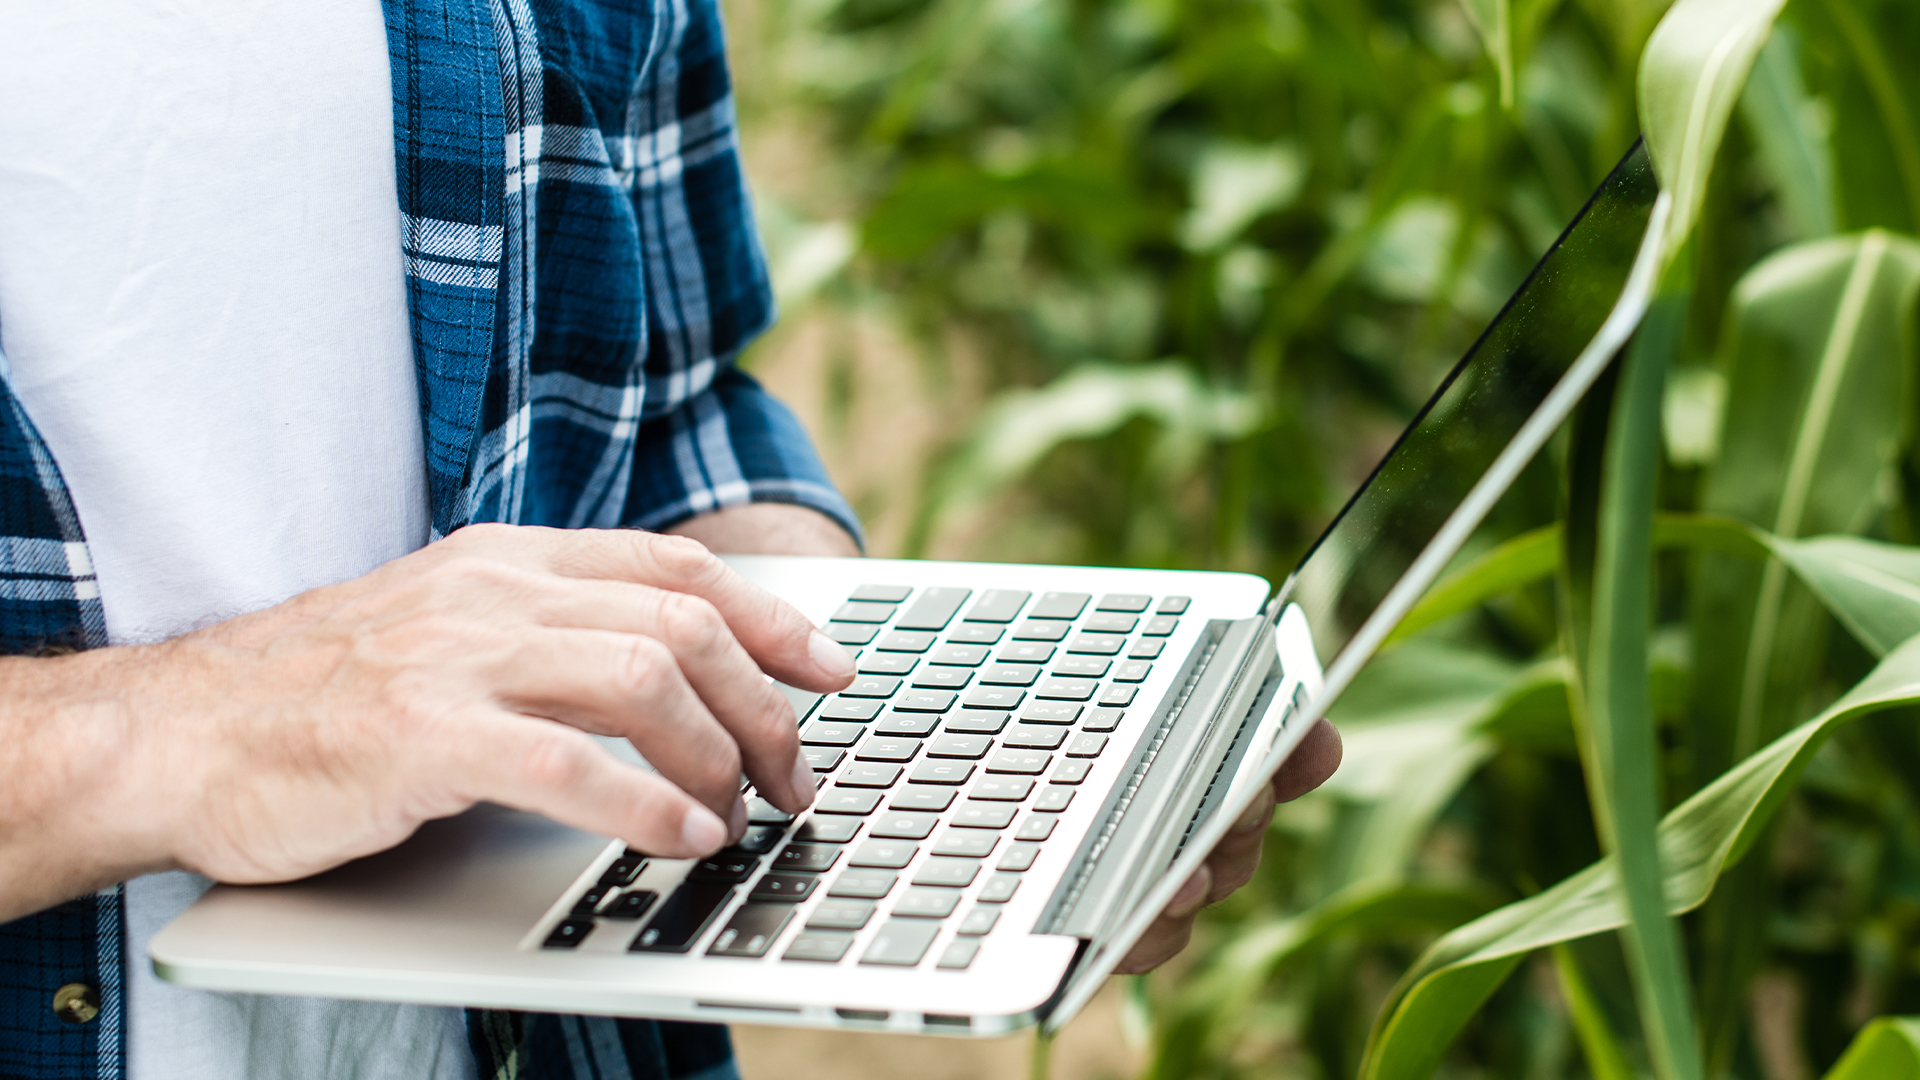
943	770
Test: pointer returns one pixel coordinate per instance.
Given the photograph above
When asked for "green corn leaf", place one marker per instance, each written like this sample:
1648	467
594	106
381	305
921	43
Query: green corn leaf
1871	587
1494	20
1619	700
1691	76
1886	1049
1698	841
1793	146
1533	556
1597	1040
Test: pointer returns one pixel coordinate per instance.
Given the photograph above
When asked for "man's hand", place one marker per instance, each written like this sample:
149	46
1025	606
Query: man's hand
1238	855
284	742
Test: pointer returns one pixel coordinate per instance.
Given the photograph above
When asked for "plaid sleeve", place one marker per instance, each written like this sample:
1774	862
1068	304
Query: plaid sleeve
710	436
732	444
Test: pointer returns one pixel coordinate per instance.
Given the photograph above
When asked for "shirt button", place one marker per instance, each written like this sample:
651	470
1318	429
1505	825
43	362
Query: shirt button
76	1003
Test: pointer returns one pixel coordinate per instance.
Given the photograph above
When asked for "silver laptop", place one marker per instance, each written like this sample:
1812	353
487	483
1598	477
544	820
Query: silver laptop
1031	761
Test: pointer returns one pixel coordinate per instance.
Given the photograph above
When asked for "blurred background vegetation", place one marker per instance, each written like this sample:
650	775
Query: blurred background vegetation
1155	282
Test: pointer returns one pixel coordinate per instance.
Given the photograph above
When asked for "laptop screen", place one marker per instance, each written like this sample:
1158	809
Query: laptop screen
1504	380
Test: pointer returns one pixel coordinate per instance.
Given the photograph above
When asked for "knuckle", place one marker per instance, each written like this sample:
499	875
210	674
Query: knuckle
642	667
683	560
557	758
693	623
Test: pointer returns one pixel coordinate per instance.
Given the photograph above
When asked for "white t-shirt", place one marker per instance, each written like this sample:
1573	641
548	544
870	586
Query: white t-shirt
203	305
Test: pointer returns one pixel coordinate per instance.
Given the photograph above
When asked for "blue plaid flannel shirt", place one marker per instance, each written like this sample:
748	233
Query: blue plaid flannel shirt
577	305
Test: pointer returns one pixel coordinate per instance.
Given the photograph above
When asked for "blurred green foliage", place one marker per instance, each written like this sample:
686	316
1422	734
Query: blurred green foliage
1217	253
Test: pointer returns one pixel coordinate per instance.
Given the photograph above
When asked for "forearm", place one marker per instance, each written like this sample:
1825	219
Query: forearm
68	822
768	528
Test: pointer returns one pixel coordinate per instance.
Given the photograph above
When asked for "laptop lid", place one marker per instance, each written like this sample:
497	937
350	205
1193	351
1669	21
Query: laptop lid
1487	420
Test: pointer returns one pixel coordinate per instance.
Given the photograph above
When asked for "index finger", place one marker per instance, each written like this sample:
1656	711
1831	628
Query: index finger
779	638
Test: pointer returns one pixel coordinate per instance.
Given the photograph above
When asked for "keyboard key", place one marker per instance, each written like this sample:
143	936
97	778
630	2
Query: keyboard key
887	748
1160	626
924	701
927	903
631	904
684	917
948	873
995	697
1051	712
783	888
1111	624
827	830
943	678
1018	856
934	771
884	854
823	758
973	815
624	869
728	868
1086	745
912	725
978	921
908	641
1132	671
757	840
1147	649
966	843
840	915
590	900
863	611
839	800
998	606
836	733
934	609
1173	605
840	708
847	633
960	746
1023	762
1060	605
1071	772
762	812
1036	828
822	947
884	594
901	942
1025	653
1010	675
958	954
1040	631
1130	602
972	722
1118	696
905	826
752	930
1002	788
872	686
1067	689
863	884
869	774
960	655
999	888
1053	799
1035	737
569	933
921	797
975	634
1082	667
1097	644
1103	720
887	663
806	858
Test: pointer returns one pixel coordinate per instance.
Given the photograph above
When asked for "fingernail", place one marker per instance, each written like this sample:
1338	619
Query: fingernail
1254	817
803	782
830	656
1191	897
701	830
737	820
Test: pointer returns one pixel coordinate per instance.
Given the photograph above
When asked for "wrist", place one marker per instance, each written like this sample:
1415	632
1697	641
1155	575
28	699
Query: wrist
768	528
